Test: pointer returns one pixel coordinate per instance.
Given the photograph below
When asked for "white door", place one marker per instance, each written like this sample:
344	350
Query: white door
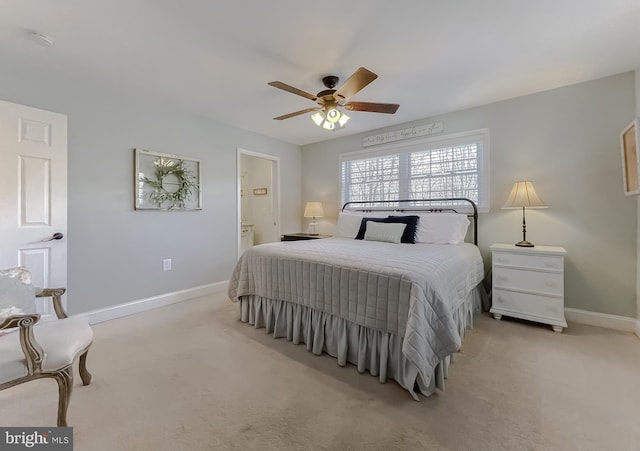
33	194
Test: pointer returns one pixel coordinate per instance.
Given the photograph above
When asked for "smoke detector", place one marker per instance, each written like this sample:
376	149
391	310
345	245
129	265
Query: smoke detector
41	38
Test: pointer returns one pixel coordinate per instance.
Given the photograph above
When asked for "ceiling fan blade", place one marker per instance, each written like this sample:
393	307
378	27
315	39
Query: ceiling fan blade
360	78
297	113
389	108
291	89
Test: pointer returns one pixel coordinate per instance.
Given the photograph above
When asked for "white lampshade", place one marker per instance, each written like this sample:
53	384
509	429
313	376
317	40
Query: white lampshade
313	210
318	118
333	115
523	195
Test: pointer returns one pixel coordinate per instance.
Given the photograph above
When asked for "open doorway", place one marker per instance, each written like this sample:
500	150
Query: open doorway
258	199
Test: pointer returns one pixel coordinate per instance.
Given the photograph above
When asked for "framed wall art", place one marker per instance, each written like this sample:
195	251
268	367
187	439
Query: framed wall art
166	182
630	163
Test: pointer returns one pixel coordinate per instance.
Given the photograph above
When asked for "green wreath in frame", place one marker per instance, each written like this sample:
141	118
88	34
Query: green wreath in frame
174	184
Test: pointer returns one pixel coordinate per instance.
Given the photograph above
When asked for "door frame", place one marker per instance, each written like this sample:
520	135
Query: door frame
276	161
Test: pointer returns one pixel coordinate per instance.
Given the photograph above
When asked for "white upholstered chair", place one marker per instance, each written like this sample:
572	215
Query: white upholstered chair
33	349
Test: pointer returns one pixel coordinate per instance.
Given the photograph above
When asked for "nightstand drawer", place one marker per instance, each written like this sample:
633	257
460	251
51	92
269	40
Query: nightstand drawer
547	262
536	281
525	305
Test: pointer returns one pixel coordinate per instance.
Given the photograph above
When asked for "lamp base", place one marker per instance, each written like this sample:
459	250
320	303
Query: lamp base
524	243
313	228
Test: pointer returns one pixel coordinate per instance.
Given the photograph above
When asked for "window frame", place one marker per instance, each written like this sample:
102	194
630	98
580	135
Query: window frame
431	143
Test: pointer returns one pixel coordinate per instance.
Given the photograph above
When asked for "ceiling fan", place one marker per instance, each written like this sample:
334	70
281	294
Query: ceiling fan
327	113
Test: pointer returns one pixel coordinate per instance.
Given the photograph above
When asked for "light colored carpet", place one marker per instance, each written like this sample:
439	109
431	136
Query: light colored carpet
191	377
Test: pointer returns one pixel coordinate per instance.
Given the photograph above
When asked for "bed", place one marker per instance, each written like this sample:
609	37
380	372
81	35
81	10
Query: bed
395	308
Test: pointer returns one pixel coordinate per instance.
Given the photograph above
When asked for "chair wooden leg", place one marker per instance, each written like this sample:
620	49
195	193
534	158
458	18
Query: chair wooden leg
84	374
64	377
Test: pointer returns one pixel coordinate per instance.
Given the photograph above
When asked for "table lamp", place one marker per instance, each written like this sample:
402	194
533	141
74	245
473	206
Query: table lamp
523	195
313	210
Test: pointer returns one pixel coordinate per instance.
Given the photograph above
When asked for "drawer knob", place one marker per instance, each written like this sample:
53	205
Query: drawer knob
551	284
551	265
500	299
502	278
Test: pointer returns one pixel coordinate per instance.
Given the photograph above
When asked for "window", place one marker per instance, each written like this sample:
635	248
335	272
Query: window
450	166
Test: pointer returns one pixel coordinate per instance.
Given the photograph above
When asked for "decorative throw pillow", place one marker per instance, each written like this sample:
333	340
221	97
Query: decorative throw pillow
409	234
412	221
387	232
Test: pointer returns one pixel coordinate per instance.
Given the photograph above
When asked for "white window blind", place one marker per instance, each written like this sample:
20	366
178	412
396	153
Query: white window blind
455	166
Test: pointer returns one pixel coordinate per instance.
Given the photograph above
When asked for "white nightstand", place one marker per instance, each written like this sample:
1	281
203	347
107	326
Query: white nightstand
528	283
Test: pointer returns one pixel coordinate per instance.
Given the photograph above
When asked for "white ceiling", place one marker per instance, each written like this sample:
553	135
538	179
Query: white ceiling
215	57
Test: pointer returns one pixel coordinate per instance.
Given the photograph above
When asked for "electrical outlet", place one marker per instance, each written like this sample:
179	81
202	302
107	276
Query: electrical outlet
166	264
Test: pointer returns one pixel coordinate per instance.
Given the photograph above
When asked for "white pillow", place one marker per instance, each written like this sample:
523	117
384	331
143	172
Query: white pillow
442	228
381	231
349	222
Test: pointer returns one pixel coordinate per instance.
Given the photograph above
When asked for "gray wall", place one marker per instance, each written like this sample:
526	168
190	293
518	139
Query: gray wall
567	142
115	253
637	79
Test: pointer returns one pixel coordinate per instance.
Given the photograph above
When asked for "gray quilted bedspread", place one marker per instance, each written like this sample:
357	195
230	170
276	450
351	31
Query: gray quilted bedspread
409	290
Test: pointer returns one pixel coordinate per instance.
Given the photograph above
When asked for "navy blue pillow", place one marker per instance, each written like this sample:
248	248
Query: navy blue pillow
409	234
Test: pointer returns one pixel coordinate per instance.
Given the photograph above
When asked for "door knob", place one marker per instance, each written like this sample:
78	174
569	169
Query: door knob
55	236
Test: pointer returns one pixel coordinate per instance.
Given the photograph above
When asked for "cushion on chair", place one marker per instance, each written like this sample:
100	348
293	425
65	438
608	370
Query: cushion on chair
62	341
17	294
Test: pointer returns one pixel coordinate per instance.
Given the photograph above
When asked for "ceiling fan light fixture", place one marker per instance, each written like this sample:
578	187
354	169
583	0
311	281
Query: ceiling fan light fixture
328	125
331	119
333	115
318	118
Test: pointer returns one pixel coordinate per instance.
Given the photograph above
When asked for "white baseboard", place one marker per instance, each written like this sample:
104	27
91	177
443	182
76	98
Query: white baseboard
129	308
622	323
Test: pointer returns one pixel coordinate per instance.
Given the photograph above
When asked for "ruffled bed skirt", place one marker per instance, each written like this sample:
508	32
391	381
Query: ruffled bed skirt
379	353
